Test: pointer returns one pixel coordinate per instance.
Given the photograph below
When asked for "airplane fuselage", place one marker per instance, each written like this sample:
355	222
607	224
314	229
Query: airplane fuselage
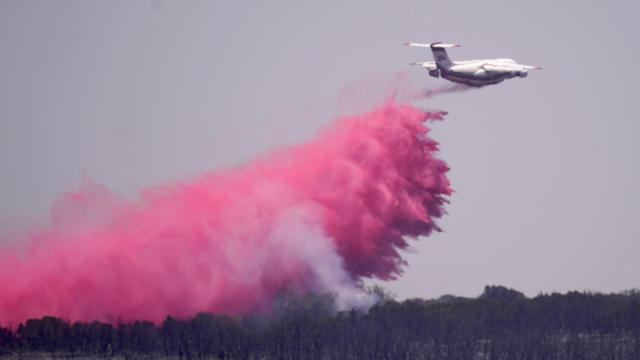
482	72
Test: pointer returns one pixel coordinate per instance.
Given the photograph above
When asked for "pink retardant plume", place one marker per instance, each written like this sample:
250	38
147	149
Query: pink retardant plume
319	216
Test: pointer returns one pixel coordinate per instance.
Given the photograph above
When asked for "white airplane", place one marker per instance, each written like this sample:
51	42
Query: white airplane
470	72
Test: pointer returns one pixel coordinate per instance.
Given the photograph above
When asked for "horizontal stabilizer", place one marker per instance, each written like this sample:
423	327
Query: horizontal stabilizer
432	45
417	45
429	65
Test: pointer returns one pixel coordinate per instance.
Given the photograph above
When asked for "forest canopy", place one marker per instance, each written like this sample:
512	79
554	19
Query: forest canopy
500	323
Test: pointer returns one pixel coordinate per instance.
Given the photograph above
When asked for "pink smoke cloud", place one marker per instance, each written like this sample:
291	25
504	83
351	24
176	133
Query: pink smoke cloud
318	216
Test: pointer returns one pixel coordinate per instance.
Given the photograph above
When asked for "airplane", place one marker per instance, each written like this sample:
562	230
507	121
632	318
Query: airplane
470	72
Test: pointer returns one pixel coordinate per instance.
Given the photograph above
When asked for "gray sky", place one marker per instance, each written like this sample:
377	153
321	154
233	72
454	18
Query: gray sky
138	93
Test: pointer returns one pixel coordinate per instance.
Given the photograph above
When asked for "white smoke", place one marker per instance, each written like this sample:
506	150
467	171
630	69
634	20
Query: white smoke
313	248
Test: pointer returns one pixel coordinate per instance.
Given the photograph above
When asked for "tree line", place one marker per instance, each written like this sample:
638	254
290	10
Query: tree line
499	324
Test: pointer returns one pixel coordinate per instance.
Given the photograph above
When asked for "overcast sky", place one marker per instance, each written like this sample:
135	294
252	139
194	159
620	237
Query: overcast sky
137	93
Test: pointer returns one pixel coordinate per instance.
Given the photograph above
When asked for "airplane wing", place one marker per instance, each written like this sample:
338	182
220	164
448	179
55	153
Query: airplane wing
497	67
508	67
429	65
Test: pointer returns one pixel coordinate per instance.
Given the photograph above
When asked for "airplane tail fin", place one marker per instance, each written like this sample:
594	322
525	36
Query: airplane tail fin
439	52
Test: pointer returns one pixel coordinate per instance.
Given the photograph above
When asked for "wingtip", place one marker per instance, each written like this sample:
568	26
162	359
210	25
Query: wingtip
406	44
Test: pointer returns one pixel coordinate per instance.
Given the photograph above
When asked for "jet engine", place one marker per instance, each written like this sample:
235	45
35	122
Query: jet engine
434	73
